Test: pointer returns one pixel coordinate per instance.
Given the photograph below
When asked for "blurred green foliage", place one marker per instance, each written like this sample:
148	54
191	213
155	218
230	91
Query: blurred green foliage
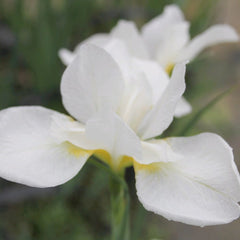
30	73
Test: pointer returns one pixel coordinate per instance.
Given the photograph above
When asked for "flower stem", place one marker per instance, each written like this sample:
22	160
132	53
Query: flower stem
120	202
119	209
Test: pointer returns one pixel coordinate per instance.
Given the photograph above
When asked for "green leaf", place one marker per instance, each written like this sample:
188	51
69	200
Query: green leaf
196	117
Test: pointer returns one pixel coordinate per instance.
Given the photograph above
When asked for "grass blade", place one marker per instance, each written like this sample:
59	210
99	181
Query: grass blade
196	117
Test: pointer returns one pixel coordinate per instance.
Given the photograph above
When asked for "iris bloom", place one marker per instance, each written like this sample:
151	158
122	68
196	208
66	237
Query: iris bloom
164	39
116	114
114	46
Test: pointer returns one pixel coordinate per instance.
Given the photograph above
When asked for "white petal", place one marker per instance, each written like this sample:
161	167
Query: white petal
199	188
133	67
214	153
183	108
136	101
111	134
155	75
99	39
115	47
139	76
128	33
214	35
155	151
66	56
154	31
118	50
161	116
30	154
90	82
64	128
176	37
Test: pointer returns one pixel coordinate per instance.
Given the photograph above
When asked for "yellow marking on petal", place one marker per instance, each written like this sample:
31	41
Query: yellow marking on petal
103	156
169	68
117	165
71	119
125	162
152	167
77	151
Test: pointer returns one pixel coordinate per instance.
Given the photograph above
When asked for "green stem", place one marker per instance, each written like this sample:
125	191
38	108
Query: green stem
120	202
119	209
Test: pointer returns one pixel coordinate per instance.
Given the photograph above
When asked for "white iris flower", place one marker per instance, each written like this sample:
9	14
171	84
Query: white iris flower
117	113
164	39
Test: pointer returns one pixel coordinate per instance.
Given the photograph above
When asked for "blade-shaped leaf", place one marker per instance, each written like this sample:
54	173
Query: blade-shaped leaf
196	117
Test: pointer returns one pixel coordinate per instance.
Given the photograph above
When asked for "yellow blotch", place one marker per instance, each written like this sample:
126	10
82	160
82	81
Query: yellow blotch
71	119
117	165
169	68
125	162
77	151
103	156
152	167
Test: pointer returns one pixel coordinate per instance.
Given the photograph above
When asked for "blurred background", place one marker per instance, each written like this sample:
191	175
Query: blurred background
31	33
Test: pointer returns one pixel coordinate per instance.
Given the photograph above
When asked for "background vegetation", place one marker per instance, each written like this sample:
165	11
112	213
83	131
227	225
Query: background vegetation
31	33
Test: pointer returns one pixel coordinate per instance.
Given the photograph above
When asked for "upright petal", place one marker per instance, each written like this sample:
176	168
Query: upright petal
158	80
118	50
128	33
30	154
91	81
176	38
154	31
161	116
115	47
214	35
99	39
140	78
154	74
198	183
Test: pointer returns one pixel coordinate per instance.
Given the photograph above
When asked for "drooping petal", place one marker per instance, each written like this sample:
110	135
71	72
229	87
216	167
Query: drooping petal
113	135
183	108
161	116
214	153
154	31
128	33
214	35
200	186
90	82
65	129
30	154
66	56
155	151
